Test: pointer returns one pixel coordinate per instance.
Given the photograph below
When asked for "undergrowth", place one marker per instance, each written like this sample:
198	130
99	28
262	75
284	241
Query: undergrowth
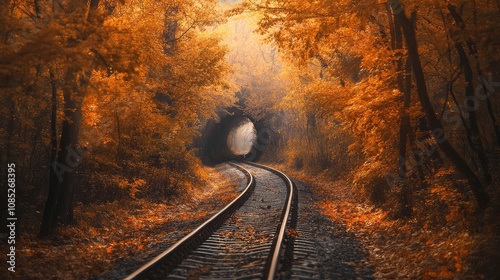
446	237
105	233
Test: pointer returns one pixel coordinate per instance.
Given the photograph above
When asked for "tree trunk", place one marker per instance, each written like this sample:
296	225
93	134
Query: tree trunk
53	118
496	123
68	155
60	174
404	127
60	198
473	50
474	136
404	131
435	124
48	219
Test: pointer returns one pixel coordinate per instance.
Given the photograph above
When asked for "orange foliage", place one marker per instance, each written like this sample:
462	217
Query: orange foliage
414	248
107	233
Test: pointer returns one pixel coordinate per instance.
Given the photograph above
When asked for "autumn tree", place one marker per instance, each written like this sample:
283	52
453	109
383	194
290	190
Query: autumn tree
435	124
330	39
124	90
365	70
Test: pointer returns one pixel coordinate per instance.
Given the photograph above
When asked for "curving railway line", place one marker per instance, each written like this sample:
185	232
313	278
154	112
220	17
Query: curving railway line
251	238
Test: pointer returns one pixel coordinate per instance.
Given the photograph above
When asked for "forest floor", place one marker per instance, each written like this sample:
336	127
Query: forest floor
109	239
445	239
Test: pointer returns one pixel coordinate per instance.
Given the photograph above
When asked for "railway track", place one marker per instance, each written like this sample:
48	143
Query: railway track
250	238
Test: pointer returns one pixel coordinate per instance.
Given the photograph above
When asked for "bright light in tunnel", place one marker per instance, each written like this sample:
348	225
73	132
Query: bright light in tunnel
241	139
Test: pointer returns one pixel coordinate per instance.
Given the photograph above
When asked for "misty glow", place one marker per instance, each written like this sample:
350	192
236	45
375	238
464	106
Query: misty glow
241	139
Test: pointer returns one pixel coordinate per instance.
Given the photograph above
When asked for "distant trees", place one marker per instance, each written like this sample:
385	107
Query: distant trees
256	67
107	96
364	65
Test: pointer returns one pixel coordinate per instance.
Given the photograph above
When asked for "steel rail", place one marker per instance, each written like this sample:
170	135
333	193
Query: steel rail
279	240
181	244
182	248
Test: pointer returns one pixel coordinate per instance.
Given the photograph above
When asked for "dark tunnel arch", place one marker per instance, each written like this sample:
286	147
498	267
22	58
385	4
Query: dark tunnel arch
213	142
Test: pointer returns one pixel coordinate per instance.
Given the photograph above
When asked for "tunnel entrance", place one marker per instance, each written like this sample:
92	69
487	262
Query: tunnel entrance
232	138
241	139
